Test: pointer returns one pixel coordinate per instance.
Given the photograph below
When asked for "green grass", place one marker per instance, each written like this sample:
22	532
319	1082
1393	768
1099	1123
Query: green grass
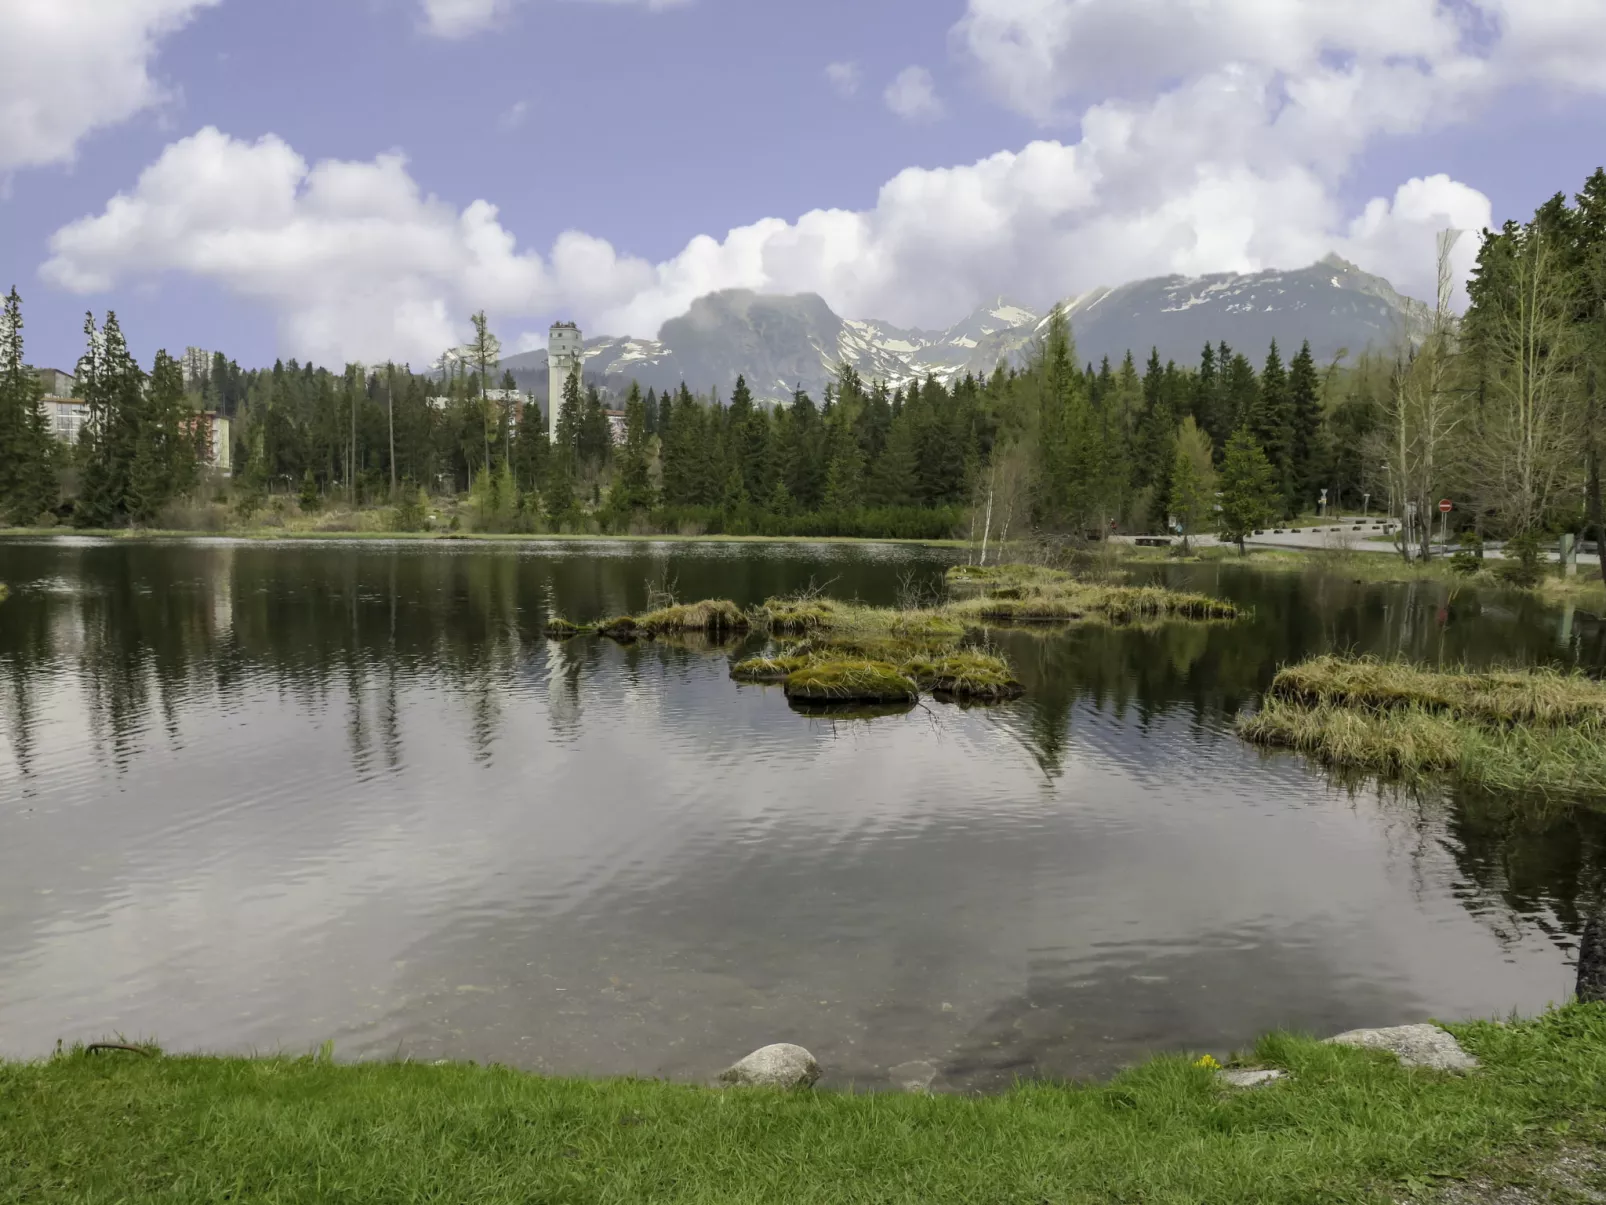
1536	732
1350	1126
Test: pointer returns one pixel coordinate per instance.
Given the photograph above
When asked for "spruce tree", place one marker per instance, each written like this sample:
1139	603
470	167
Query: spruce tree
570	413
531	449
632	487
114	389
164	446
1271	423
1305	421
1249	493
27	450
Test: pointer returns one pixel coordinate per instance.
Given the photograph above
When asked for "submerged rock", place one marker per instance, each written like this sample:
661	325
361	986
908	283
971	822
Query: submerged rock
1592	963
914	1076
1422	1045
782	1065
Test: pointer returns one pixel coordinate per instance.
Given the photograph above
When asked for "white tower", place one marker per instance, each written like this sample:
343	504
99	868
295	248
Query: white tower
563	358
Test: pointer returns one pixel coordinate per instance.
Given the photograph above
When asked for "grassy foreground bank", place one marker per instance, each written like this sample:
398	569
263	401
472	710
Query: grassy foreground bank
1350	1125
1535	730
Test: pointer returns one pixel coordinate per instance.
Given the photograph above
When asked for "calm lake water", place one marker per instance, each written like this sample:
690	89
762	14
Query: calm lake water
257	796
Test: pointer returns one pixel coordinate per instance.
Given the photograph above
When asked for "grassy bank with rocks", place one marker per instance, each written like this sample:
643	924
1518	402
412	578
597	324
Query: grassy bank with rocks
1537	731
1343	1125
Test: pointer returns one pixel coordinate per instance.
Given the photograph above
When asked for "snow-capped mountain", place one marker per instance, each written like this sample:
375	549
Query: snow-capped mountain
783	343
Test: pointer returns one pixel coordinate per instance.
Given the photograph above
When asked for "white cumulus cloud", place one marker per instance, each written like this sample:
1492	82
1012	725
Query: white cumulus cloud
1229	153
69	67
461	18
844	78
912	95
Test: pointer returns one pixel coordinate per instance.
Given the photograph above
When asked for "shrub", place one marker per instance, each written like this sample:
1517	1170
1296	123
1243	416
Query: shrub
412	512
1522	565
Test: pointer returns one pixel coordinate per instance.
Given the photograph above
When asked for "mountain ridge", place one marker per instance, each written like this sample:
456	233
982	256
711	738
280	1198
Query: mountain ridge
783	342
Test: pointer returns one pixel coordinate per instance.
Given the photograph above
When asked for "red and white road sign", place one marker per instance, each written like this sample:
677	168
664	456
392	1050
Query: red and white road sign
1445	506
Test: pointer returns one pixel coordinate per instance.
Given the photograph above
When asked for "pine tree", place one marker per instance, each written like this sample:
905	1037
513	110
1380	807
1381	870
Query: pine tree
164	449
571	410
1271	424
1240	390
780	502
531	448
596	435
1305	422
1249	494
113	386
1154	448
310	499
27	468
844	479
632	487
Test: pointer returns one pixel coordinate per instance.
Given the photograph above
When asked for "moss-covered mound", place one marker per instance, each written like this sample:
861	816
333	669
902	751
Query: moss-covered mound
849	681
623	628
558	628
965	675
713	617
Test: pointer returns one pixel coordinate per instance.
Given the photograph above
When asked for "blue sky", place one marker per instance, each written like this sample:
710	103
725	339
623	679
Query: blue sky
1034	148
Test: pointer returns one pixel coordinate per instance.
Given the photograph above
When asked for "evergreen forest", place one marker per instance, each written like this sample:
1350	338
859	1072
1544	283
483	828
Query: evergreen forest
1498	407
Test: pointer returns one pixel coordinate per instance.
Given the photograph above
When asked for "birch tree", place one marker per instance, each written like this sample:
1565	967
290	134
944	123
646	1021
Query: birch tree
1525	448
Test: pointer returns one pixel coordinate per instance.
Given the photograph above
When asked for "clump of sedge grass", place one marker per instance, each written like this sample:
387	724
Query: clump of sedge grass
713	617
1526	696
1533	731
1069	601
558	628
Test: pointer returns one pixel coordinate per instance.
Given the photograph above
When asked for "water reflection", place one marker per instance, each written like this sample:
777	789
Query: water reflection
268	794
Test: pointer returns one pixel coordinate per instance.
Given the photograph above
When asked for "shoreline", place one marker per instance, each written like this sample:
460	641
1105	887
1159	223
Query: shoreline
287	536
1341	1122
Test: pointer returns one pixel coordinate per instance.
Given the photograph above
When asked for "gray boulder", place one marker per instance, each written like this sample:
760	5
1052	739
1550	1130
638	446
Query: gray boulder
1414	1045
1249	1077
782	1065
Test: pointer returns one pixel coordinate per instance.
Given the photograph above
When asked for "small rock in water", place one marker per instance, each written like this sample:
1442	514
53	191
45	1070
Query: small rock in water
1249	1077
782	1065
913	1076
1414	1045
1592	963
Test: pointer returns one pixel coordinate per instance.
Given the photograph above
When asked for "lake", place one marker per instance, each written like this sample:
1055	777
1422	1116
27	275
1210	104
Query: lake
257	796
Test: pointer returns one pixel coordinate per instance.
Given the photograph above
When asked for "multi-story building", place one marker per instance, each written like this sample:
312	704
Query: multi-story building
65	416
57	384
217	440
565	354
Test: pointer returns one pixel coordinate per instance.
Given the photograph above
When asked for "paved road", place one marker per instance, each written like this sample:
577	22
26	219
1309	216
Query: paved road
1342	535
